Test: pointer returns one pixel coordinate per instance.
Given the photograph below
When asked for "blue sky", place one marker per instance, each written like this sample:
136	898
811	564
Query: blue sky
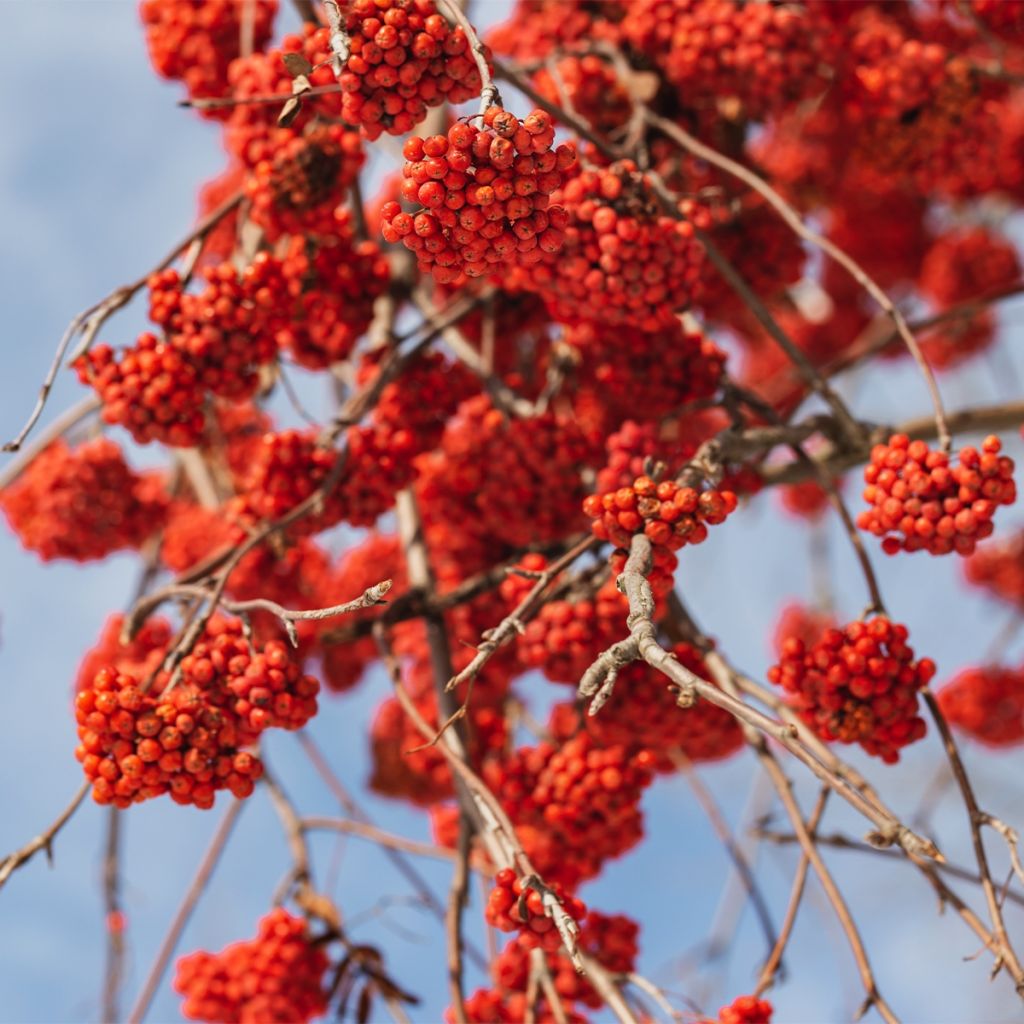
98	175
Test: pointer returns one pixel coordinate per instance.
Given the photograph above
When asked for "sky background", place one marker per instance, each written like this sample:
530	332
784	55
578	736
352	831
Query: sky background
99	171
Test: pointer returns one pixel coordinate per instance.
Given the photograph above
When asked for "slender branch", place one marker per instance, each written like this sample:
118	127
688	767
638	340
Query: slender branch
773	964
113	918
43	841
976	820
184	912
453	921
58	428
376	835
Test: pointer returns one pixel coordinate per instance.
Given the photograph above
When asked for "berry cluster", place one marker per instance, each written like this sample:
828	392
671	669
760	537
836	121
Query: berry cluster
404	58
574	806
857	685
627	369
746	1010
484	196
196	42
999	567
592	88
918	502
623	261
140	741
748	60
297	186
669	514
278	976
986	703
83	503
332	285
513	907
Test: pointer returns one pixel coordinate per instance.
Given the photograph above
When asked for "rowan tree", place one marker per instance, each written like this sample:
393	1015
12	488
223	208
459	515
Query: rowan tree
592	285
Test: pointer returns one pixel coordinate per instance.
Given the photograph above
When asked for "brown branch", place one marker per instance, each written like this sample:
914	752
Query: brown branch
976	820
773	964
376	835
184	912
43	841
453	921
721	828
514	623
113	973
66	421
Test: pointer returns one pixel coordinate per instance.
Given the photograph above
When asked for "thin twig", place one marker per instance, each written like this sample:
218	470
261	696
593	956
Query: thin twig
184	912
113	973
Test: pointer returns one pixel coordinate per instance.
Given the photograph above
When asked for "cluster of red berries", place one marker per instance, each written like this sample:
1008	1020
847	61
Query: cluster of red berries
592	88
216	341
567	633
671	515
404	58
806	500
305	175
999	567
610	939
967	263
140	741
278	976
513	907
623	260
196	42
746	1010
484	196
575	805
859	684
987	703
513	482
633	444
83	503
536	27
746	60
919	502
332	285
628	369
797	621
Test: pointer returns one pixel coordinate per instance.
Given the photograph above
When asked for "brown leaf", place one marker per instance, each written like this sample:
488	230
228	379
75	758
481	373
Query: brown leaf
289	112
296	64
642	86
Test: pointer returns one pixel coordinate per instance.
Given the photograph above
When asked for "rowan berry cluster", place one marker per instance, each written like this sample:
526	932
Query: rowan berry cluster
609	939
574	806
83	503
806	500
483	195
512	906
669	514
919	502
567	633
404	58
746	1010
859	684
277	976
298	185
986	703
628	369
196	42
592	88
999	568
624	261
141	738
759	58
332	285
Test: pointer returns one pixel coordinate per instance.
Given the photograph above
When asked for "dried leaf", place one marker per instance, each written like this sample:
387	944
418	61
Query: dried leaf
642	86
296	64
300	84
289	112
